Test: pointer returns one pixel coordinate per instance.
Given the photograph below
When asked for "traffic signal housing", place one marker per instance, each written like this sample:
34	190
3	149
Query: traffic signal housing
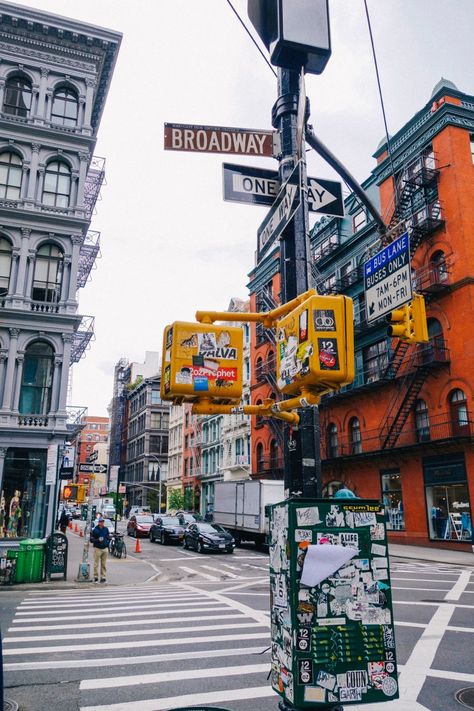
315	346
408	322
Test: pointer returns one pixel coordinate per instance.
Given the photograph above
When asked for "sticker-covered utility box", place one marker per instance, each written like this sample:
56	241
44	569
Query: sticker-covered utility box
315	345
202	361
331	603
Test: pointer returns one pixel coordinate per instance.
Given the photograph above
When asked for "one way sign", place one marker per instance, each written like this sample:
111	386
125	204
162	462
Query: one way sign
325	196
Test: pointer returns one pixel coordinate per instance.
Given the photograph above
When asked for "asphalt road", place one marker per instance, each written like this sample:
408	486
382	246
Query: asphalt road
199	634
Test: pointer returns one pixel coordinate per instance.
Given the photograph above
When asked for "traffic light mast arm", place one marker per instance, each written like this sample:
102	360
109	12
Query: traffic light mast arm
204	406
268	318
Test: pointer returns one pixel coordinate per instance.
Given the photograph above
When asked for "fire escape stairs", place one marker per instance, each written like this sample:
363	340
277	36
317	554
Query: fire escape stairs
411	384
396	360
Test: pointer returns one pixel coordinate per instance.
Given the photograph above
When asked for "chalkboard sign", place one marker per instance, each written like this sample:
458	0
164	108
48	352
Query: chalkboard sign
56	555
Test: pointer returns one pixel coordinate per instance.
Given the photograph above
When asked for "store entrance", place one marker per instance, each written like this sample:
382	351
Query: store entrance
23	496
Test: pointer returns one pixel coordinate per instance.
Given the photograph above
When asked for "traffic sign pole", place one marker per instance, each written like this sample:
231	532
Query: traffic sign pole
301	449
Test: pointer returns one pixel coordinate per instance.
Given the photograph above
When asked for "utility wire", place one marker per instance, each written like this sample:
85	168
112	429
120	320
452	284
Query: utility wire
381	98
250	35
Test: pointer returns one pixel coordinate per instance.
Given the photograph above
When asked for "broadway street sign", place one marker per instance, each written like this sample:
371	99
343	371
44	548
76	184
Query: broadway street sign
387	279
257	186
218	139
281	212
93	468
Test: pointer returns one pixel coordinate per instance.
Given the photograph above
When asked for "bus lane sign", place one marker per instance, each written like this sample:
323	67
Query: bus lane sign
387	279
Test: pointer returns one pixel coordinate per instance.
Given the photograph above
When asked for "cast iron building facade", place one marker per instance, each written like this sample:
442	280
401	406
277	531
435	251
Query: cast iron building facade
54	78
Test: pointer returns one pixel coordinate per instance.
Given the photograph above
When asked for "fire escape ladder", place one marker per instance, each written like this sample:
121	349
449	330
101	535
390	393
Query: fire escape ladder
396	360
403	206
412	384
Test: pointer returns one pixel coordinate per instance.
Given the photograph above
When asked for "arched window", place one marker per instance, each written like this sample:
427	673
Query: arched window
355	436
274	458
260	458
5	265
18	94
10	175
57	184
259	368
332	440
65	107
422	421
459	413
48	275
36	385
438	268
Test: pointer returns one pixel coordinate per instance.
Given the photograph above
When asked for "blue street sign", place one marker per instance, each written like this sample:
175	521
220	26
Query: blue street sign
387	279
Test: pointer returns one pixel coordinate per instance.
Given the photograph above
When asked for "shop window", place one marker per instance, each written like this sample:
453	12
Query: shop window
355	436
392	499
5	265
459	413
332	441
18	94
422	421
48	276
23	497
65	107
11	173
57	184
36	386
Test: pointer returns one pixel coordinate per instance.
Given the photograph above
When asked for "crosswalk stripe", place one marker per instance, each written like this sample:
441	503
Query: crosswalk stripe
136	660
151	631
192	700
121	623
194	572
116	601
229	575
102	646
83	611
103	616
160	677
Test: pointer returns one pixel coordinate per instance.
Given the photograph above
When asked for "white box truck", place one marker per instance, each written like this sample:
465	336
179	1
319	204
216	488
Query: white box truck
239	506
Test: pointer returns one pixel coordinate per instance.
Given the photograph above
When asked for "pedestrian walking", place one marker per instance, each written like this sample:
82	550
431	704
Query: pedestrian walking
63	521
100	538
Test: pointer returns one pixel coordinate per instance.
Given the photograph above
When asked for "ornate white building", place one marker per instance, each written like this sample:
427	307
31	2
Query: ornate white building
54	78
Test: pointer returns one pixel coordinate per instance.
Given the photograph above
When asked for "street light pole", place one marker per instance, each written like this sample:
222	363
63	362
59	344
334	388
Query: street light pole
160	464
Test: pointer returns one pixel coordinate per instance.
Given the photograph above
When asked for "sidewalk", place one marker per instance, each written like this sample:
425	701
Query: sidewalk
438	555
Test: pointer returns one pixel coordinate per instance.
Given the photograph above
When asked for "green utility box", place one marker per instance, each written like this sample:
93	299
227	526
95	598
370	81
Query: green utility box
332	627
30	563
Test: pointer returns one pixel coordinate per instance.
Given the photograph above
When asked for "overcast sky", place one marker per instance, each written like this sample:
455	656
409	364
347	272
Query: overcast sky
170	244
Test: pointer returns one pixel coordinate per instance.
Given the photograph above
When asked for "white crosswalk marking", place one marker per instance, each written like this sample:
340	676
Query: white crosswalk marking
215	648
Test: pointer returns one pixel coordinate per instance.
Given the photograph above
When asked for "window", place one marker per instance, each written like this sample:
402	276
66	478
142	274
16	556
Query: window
422	421
392	499
57	184
35	394
260	458
438	268
332	440
347	275
5	265
155	397
447	497
329	284
375	361
274	458
48	274
65	104
459	413
359	220
355	437
18	93
10	175
326	246
155	420
23	492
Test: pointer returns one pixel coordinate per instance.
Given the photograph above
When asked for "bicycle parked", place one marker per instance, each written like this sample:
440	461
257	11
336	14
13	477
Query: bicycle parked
117	546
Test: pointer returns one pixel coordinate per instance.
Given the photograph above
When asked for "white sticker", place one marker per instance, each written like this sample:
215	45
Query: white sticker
349	539
361	563
323	621
381	574
364	518
314	693
308	516
377	549
389	686
356	679
302	534
350	694
377	532
280	596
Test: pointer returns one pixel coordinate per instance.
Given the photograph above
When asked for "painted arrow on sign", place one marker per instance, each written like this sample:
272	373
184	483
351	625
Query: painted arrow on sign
325	196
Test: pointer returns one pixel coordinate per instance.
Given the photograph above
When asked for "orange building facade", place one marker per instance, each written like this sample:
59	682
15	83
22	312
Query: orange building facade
95	430
403	431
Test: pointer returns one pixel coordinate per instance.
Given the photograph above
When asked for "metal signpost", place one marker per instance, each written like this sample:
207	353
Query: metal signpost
387	278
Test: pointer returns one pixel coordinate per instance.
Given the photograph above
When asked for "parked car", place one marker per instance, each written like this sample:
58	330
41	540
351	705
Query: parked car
167	529
188	517
76	511
139	525
208	537
139	510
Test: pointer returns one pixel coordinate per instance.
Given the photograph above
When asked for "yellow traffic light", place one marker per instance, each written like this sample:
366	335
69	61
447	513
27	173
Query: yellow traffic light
409	321
315	346
202	361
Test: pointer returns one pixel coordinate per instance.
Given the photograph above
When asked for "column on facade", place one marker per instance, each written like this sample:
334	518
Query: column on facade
25	172
90	86
49	105
20	359
84	163
56	382
13	271
40	109
3	360
34	99
2	91
30	273
81	111
22	263
67	346
74	188
3	454
67	259
76	251
39	184
12	350
35	149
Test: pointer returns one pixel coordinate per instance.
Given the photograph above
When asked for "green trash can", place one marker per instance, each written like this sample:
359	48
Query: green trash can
32	560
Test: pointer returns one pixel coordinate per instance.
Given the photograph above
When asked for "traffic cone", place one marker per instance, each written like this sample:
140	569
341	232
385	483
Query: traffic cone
76	528
137	546
81	533
70	525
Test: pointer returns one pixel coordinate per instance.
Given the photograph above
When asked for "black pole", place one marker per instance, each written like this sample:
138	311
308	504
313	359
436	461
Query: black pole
116	500
301	454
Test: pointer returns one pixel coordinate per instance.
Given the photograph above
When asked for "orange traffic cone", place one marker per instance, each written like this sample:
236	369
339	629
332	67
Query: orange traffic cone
81	533
137	546
76	528
70	525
